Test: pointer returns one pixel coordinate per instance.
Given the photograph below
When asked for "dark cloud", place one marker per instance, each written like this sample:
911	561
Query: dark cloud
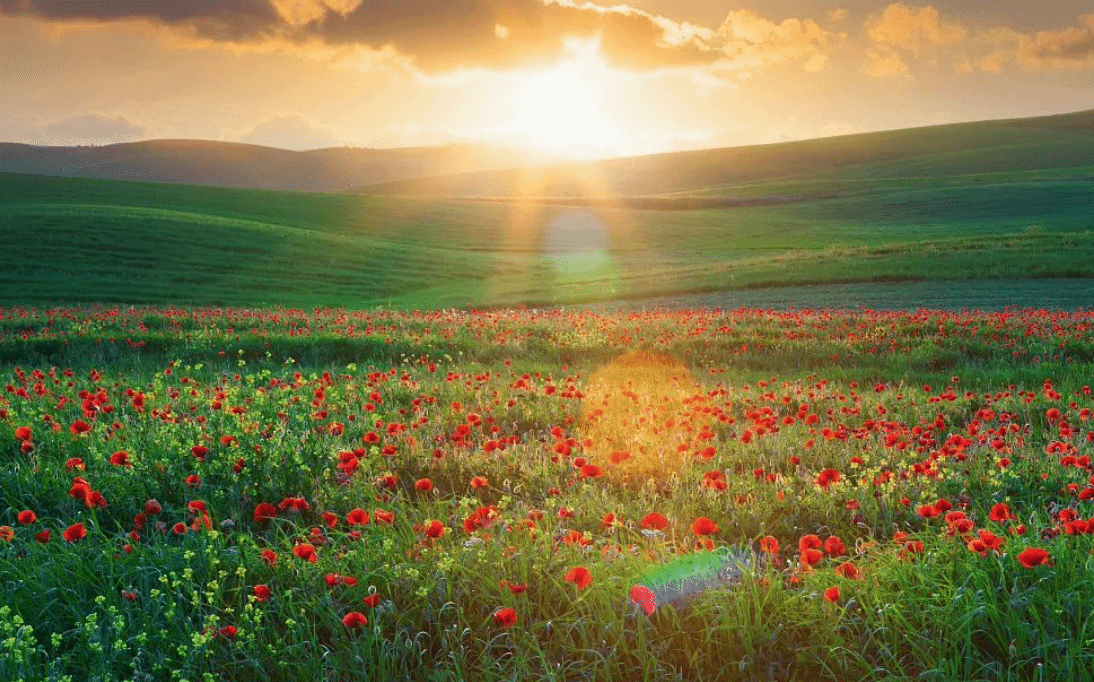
440	36
503	34
92	129
222	19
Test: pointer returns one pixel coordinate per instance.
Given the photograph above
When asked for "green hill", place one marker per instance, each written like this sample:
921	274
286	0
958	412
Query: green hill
929	205
791	169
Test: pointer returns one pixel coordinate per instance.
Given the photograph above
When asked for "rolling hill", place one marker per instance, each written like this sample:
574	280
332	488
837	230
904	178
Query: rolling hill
1005	205
788	171
231	164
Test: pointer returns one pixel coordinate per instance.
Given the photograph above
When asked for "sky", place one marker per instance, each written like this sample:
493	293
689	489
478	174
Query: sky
577	79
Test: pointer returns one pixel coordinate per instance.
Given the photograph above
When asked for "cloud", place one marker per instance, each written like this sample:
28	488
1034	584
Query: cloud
884	65
92	129
1067	48
912	30
753	41
443	36
225	19
291	131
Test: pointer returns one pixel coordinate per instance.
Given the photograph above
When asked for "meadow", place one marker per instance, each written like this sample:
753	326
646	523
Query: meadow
284	494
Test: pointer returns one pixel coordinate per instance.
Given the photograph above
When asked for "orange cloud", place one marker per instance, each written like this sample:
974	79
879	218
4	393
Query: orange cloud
1069	48
752	41
905	28
884	65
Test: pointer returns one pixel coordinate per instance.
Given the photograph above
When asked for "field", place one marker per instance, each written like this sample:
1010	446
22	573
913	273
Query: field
988	201
242	494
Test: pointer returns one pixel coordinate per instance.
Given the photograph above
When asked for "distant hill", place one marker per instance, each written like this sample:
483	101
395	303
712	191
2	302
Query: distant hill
815	167
230	164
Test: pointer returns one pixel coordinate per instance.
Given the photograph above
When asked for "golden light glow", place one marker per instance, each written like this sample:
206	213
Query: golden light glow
559	109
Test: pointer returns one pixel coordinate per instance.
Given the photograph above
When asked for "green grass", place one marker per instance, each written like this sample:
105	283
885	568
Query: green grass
75	240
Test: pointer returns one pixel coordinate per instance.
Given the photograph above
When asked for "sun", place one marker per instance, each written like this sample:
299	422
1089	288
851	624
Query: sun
561	111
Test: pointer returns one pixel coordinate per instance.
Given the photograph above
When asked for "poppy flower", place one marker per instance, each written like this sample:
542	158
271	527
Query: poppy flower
423	484
79	427
383	516
653	521
479	482
769	545
228	632
269	557
832	594
74	532
354	619
591	471
357	517
1033	556
23	433
372	600
809	541
810	557
833	546
434	529
27	517
1000	512
264	512
618	457
827	478
199	452
43	536
305	552
261	592
7	533
179	528
848	570
704	526
120	459
505	617
579	576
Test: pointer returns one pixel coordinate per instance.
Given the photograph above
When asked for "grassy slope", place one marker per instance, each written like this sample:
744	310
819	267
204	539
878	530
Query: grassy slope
982	211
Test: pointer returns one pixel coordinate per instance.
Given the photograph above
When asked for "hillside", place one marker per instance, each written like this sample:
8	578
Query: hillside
791	170
230	164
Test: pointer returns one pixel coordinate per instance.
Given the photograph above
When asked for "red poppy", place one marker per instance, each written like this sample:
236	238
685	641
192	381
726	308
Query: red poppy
827	478
704	526
199	451
27	517
479	482
354	619
579	576
608	521
264	512
653	521
480	518
591	471
769	545
305	552
23	433
833	546
423	484
269	557
120	459
810	557
505	617
262	592
228	632
848	570
372	600
809	541
7	533
179	528
75	532
79	427
1033	556
43	536
832	594
357	517
1000	512
619	457
383	516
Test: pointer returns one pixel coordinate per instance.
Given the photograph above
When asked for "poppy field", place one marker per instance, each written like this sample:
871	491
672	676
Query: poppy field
196	494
